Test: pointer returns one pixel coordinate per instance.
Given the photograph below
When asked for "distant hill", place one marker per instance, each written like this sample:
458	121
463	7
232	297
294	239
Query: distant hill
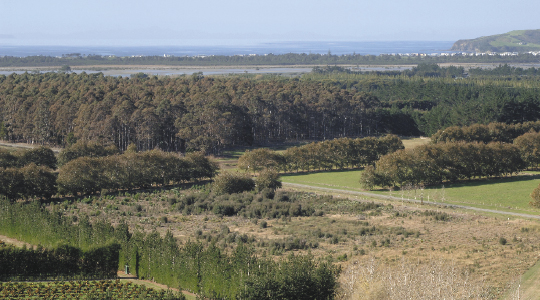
513	41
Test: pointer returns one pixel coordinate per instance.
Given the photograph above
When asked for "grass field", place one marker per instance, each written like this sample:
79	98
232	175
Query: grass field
529	287
506	194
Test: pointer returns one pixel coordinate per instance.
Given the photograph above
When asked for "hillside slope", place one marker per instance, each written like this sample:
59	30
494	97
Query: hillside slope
513	41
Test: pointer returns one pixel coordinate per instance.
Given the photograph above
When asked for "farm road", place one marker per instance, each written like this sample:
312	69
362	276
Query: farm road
25	146
410	200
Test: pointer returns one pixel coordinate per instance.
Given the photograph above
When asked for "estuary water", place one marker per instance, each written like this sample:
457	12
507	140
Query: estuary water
245	48
229	49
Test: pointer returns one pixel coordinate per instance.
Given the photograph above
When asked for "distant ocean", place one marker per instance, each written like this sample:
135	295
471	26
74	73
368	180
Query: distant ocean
261	48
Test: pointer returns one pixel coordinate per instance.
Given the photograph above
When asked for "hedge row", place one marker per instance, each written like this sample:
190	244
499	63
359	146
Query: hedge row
435	163
339	154
27	182
41	156
86	175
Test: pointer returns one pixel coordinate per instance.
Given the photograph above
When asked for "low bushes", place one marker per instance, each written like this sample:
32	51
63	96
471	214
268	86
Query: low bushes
230	183
246	204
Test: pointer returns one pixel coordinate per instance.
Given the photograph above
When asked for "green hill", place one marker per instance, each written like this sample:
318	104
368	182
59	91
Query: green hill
513	41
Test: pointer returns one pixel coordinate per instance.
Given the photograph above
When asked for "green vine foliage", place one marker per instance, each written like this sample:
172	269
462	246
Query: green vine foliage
206	271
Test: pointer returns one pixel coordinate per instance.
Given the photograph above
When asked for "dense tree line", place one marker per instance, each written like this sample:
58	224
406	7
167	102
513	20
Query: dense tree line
89	168
492	132
28	173
268	59
210	113
524	136
28	182
437	103
132	170
434	70
179	114
332	154
206	271
504	70
435	163
529	148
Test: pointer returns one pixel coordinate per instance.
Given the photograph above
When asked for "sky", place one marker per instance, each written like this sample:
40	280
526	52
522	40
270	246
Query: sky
136	22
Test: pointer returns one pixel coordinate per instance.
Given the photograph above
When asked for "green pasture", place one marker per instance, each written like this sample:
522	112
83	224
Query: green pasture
506	194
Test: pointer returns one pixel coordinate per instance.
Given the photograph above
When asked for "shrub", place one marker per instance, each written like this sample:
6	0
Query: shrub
502	241
41	156
268	179
7	159
535	195
39	181
281	196
230	183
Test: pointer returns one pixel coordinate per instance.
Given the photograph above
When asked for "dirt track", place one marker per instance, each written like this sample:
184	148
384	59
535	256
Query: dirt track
24	145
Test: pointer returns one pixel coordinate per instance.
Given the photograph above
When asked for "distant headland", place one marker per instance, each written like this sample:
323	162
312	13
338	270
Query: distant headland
513	41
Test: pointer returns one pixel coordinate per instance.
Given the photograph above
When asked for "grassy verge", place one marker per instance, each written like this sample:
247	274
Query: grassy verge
529	288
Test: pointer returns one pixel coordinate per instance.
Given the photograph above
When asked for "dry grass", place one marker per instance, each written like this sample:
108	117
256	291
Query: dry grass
403	238
433	279
411	142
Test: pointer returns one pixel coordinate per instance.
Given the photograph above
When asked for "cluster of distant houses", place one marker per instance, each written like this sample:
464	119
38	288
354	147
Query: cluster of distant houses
535	53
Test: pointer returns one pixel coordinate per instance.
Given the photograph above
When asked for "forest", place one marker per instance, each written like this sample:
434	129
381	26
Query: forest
209	114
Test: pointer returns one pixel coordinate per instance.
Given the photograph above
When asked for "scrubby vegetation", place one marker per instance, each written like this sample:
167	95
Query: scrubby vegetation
244	237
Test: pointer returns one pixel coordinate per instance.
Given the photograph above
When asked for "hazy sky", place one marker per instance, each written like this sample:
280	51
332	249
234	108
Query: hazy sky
208	21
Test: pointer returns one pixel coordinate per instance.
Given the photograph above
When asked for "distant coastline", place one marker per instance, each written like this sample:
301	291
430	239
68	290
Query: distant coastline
258	48
282	54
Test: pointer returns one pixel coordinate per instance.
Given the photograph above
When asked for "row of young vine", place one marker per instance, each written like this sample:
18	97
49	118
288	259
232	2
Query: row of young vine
83	290
206	271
